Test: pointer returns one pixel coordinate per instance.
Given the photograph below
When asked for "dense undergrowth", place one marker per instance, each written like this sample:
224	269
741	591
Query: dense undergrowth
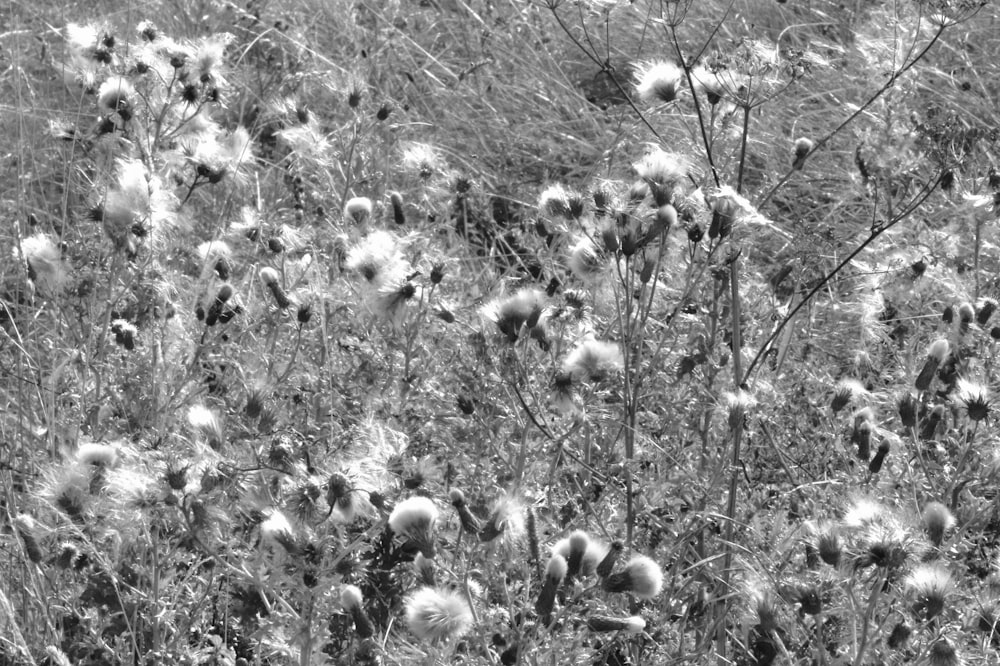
500	332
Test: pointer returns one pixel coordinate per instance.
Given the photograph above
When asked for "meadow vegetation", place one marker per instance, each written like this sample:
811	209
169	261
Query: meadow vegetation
499	332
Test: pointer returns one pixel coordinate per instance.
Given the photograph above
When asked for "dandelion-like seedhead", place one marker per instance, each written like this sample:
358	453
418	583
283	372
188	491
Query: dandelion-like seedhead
422	160
509	315
929	585
206	423
434	614
556	201
641	577
277	530
414	519
937	520
707	83
863	512
593	360
358	209
739	404
886	545
974	398
659	82
943	653
847	391
97	454
505	522
668	171
586	261
116	95
378	260
44	263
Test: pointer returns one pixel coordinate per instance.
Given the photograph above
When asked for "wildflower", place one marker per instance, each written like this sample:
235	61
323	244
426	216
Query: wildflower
276	530
470	523
205	422
573	548
414	519
885	545
738	406
398	214
863	512
341	497
522	309
975	398
931	422
125	333
97	454
803	146
269	277
215	254
707	82
845	392
505	520
351	600
641	576
937	520
434	614
667	171
875	466
765	607
861	433
44	263
906	405
809	599
26	528
936	354
390	302
554	201
424	567
422	159
630	625
116	95
607	563
929	585
943	653
593	360
726	205
899	635
985	308
358	209
207	58
378	260
225	154
586	261
83	40
966	313
555	572
659	82
828	545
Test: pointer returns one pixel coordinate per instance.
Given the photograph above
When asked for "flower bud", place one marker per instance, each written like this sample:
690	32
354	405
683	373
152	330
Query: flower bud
803	146
398	214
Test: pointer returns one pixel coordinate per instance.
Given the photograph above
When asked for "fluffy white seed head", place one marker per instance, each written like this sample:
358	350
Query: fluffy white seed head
358	209
438	615
658	82
97	454
593	360
646	577
275	529
350	597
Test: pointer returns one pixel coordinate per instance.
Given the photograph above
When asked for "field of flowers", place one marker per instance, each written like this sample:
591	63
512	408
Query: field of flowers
535	332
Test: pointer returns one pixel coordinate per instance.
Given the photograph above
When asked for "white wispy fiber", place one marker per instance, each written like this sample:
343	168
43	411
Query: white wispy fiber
44	261
438	615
